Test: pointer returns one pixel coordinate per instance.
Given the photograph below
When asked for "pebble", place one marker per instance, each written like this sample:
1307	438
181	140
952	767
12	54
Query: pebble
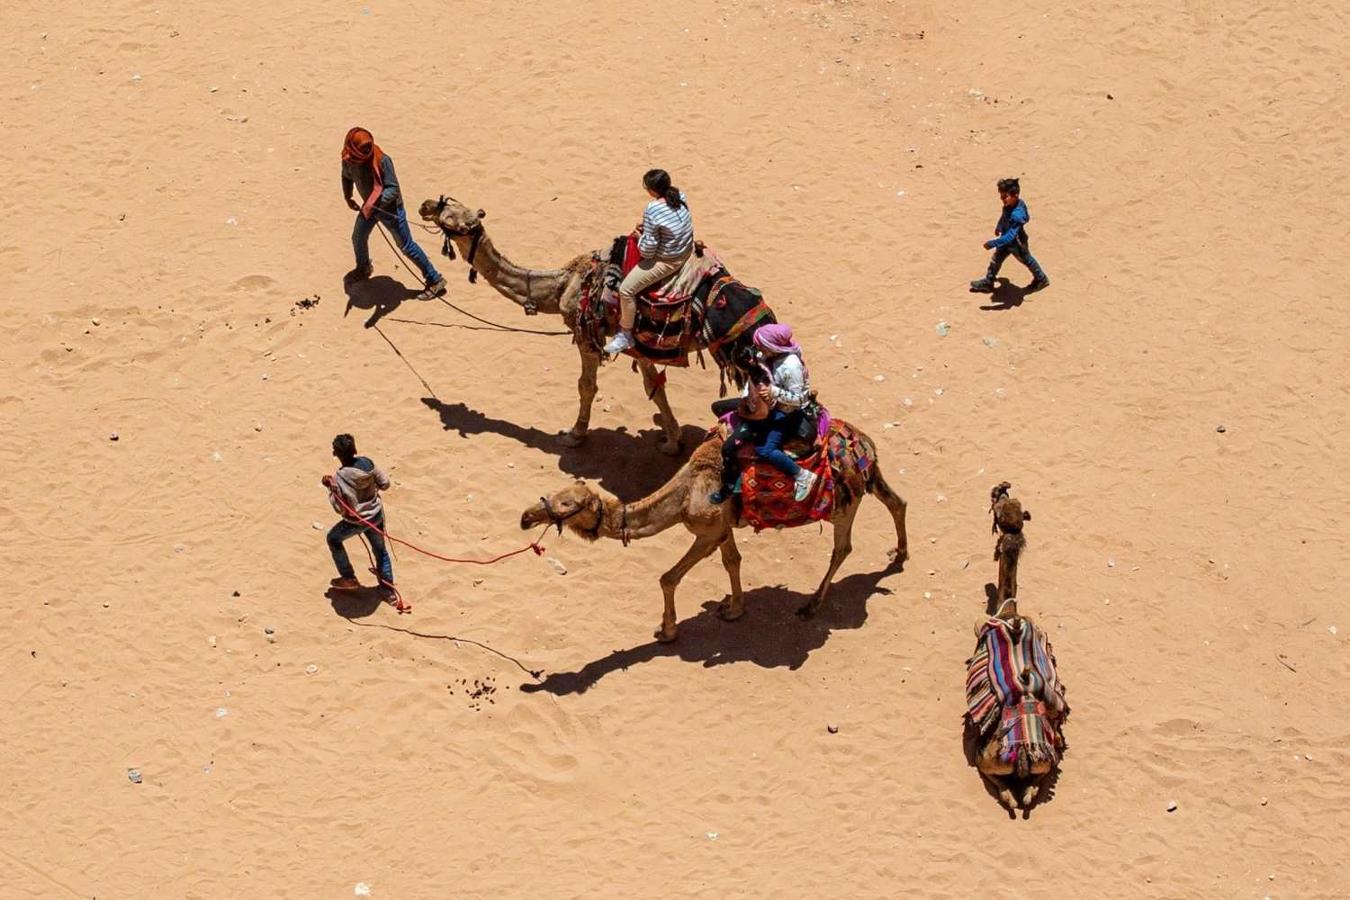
94	321
557	565
477	582
221	712
928	595
990	342
1264	801
231	221
1221	429
1110	562
878	377
271	634
943	329
106	604
134	776
317	526
211	641
212	89
1172	806
713	835
832	728
1331	629
362	889
135	78
311	669
114	436
942	498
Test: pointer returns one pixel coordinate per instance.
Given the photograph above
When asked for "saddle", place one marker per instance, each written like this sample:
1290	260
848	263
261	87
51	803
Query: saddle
673	315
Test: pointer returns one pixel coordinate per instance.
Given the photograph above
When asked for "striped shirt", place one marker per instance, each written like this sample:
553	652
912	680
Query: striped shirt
666	233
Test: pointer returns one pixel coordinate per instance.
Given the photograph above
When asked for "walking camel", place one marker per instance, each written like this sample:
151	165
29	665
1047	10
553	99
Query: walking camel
683	500
552	292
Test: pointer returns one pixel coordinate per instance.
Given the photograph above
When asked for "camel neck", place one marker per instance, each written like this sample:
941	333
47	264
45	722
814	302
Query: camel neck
514	282
642	518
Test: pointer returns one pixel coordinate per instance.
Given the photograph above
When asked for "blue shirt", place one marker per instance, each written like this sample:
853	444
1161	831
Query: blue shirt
1010	224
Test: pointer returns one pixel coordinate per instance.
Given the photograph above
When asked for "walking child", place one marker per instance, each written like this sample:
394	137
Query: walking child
1010	237
354	492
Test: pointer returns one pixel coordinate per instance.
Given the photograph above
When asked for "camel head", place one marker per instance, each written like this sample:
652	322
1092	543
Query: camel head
453	217
576	506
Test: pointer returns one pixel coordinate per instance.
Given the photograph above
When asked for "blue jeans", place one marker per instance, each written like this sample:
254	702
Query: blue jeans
1019	249
778	427
345	530
397	226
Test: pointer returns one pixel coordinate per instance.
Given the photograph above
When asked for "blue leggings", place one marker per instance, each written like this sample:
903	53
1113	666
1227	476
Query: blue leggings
344	530
397	225
778	427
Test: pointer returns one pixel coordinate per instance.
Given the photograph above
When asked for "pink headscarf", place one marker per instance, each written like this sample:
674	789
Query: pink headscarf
776	339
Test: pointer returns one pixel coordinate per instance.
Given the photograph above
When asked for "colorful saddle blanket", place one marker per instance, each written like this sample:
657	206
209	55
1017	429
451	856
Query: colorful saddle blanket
1025	715
840	461
701	301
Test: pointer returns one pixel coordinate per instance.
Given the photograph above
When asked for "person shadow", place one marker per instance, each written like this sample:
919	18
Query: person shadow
381	295
625	464
358	604
1006	296
770	634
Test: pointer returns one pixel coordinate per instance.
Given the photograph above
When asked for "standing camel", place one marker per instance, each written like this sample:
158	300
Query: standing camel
553	292
683	500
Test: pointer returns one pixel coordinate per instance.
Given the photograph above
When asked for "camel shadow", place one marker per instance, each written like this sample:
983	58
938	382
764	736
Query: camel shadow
381	295
624	464
1006	296
770	634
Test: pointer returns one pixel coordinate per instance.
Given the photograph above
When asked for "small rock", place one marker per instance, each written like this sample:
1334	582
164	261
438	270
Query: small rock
362	889
712	835
557	565
221	712
1110	562
211	641
1331	629
134	776
114	436
477	582
1172	806
106	604
231	221
271	635
212	90
832	728
1264	801
942	498
943	329
1221	429
878	377
94	321
317	526
257	426
135	78
989	342
235	594
928	595
1109	97
311	669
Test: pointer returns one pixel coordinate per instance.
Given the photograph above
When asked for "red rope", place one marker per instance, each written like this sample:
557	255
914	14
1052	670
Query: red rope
533	545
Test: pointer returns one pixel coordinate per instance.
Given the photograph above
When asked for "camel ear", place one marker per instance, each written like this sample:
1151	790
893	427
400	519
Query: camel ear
482	215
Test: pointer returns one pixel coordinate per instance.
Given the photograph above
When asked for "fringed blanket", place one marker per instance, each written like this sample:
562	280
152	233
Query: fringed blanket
840	461
1025	716
700	304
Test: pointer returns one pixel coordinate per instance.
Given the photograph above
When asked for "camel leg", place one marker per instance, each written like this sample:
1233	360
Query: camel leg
703	547
586	388
733	607
657	391
897	507
1004	794
843	546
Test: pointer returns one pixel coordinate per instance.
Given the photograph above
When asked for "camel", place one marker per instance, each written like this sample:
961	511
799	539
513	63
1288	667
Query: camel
1019	741
1008	519
552	292
683	500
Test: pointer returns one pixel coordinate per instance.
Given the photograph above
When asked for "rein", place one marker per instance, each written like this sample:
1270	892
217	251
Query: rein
556	519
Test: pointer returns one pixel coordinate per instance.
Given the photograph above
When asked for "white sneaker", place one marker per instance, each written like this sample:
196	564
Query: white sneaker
806	480
619	343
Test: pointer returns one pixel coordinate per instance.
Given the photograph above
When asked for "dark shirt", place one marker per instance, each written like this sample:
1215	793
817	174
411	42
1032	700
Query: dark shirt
364	180
1010	225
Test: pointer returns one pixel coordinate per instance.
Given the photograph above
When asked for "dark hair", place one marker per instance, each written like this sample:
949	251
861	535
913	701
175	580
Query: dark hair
344	448
658	180
1009	186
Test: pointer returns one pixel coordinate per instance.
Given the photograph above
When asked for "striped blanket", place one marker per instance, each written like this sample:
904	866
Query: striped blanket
1025	717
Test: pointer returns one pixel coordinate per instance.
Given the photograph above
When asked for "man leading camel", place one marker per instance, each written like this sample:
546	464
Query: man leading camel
371	171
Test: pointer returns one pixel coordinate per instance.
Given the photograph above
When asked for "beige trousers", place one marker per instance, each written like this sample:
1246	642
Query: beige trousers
645	274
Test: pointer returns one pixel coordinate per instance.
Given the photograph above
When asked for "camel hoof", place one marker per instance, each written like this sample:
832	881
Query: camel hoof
1029	795
666	637
670	448
572	439
728	613
898	557
1006	796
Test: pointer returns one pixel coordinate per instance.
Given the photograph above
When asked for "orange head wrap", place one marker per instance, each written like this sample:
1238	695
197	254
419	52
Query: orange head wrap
360	149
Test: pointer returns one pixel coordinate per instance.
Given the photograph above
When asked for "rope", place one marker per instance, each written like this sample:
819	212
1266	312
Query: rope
384	233
533	545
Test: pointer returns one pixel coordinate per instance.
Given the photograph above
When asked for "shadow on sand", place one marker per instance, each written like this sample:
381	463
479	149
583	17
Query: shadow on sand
1006	296
770	634
627	465
381	295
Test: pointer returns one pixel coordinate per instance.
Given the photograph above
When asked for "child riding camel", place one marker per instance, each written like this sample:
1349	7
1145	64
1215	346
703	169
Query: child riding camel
667	239
784	392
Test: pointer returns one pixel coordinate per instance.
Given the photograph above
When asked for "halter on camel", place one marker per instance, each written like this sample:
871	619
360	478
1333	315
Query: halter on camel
558	519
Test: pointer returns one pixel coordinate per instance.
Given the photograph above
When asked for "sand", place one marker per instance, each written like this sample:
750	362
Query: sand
173	188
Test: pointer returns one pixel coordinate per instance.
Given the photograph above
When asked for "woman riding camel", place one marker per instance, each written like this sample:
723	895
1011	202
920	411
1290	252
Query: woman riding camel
371	171
667	239
788	390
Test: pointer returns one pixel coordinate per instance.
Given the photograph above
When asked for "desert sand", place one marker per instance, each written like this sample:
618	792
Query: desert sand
172	183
